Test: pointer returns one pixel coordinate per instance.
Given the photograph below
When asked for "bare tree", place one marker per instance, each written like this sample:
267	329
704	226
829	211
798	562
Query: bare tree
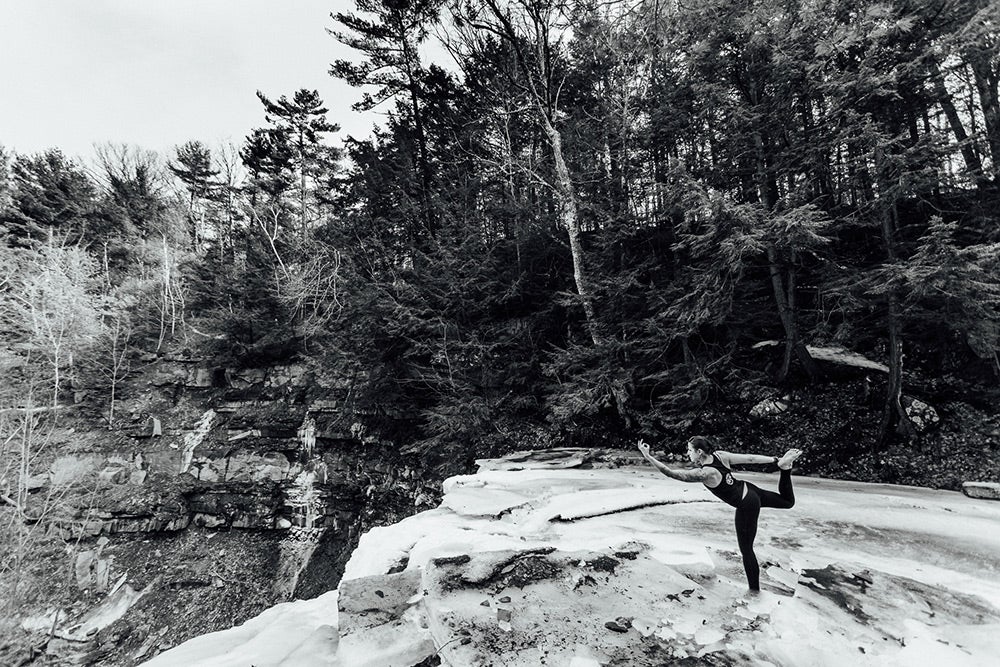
58	306
171	296
534	31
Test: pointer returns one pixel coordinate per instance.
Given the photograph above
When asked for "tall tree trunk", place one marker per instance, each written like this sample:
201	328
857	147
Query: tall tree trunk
569	217
894	417
783	290
785	299
302	183
972	161
893	414
410	57
987	81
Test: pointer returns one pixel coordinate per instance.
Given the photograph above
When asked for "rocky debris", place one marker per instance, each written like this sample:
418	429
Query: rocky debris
232	407
208	520
108	523
985	490
150	645
770	407
83	643
291	375
199	378
235	435
169	375
501	568
246	378
620	624
325	405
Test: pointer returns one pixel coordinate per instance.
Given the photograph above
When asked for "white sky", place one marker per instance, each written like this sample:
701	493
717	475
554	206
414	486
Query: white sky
157	73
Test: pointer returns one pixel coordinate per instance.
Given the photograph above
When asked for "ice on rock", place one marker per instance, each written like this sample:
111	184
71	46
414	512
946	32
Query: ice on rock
570	548
644	626
706	635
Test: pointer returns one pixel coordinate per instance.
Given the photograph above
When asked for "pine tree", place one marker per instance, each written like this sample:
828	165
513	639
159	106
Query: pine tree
389	34
301	123
50	194
194	169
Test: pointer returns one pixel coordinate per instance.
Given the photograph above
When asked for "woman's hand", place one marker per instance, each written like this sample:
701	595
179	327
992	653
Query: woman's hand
644	448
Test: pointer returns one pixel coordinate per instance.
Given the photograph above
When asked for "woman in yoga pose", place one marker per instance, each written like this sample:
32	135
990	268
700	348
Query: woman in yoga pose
714	472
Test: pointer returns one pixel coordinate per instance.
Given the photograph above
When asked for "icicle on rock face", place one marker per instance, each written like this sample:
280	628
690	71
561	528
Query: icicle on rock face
195	438
307	436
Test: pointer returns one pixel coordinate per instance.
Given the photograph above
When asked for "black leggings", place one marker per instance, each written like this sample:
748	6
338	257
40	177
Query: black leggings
746	520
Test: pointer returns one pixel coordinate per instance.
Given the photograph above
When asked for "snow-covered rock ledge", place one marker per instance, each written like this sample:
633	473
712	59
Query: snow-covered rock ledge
585	567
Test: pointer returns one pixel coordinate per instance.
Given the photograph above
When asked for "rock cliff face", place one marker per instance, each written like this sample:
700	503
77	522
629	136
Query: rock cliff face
227	493
546	562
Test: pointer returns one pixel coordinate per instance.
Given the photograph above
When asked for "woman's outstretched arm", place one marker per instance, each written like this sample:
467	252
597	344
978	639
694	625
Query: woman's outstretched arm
731	459
696	475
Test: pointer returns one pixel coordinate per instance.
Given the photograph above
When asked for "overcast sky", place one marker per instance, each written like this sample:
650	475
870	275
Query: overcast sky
157	73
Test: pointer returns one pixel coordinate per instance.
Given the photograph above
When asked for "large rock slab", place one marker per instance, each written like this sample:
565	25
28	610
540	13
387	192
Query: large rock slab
986	490
573	566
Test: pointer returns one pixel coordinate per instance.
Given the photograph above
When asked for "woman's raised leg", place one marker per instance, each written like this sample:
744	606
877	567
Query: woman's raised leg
785	497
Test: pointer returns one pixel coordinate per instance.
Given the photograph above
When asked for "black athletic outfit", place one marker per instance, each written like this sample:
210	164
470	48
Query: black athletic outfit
731	490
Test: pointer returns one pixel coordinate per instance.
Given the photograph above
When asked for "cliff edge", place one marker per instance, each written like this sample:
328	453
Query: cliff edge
544	560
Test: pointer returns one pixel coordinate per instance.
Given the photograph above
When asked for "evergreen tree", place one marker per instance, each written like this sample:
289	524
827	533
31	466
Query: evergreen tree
50	194
298	126
194	168
389	34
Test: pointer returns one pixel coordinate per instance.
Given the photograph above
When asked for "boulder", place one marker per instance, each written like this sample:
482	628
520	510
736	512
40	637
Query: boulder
985	490
922	415
92	572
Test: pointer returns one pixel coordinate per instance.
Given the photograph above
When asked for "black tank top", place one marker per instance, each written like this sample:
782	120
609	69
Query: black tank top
729	489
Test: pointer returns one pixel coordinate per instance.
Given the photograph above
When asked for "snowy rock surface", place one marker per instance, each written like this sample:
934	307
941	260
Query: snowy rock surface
527	567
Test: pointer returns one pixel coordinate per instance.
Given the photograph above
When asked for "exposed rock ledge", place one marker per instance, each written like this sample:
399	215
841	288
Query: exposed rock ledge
587	567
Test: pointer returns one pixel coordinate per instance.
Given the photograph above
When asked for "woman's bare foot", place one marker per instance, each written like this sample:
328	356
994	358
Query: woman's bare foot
786	461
